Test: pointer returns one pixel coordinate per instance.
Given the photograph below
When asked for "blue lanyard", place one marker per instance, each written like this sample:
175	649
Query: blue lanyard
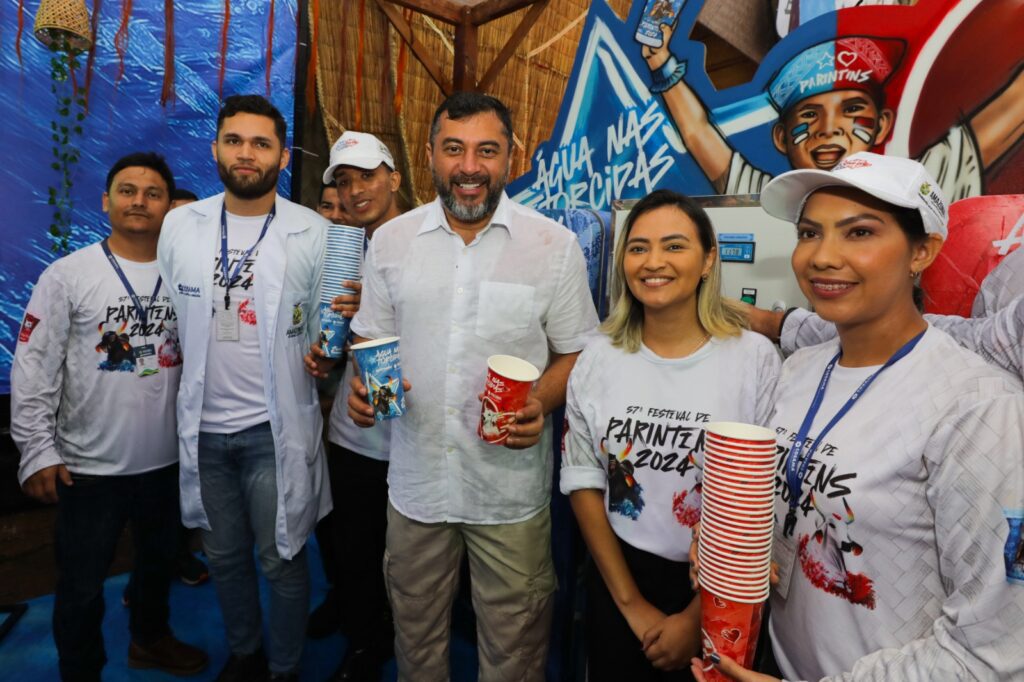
229	280
143	311
796	465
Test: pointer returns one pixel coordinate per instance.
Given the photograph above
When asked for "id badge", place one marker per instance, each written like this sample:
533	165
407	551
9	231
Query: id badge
784	555
226	322
146	364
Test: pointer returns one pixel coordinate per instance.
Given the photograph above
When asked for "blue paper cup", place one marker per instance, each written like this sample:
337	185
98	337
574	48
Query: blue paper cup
381	371
333	331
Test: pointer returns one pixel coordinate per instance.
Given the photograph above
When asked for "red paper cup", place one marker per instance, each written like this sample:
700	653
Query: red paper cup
739	525
751	492
723	564
728	628
759	528
714	453
740	592
724	474
746	547
509	380
711	440
725	504
738	431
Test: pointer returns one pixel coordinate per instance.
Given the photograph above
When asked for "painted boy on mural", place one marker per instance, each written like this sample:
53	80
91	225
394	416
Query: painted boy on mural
830	100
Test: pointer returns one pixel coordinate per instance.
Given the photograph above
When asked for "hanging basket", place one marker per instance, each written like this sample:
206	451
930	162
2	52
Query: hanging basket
63	18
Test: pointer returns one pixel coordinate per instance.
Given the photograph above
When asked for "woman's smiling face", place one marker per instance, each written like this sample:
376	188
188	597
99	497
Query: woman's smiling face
664	261
853	260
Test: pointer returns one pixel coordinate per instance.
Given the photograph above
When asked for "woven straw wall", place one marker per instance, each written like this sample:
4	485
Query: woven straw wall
532	83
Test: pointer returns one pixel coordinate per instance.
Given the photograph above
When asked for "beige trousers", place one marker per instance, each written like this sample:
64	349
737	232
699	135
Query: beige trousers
512	584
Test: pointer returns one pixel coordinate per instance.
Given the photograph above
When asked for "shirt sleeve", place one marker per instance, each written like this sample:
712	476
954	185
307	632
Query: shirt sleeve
803	328
376	316
975	474
582	469
743	177
997	338
37	374
571	317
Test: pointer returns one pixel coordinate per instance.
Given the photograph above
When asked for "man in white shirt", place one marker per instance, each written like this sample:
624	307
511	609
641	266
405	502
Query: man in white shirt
244	268
93	383
362	170
467	276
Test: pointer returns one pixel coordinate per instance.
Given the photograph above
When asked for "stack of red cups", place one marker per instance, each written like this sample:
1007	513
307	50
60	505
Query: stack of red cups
735	545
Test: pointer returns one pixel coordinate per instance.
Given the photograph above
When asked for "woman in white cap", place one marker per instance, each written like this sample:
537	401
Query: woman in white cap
673	357
902	488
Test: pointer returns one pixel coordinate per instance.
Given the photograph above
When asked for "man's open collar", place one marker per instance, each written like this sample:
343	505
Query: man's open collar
436	219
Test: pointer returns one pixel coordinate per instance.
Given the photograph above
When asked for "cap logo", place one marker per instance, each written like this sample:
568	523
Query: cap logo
846	57
345	144
926	189
852	163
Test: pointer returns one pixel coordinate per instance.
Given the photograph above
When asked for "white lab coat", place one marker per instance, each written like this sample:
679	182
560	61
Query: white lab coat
287	278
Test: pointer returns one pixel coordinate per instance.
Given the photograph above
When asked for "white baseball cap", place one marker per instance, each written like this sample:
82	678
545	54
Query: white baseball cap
892	179
361	150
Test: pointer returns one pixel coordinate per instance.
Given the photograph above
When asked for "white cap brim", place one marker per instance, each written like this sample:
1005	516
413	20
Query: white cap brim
363	162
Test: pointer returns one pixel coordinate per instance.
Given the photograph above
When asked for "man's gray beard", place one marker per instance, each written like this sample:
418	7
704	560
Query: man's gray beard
473	213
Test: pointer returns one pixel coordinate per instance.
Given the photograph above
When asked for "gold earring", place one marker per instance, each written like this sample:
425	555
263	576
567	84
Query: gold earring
913	274
704	278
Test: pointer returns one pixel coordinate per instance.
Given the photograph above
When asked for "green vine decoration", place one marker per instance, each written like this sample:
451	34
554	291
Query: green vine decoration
64	129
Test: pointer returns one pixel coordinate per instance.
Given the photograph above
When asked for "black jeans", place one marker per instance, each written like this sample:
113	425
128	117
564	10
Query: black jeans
359	486
91	514
613	651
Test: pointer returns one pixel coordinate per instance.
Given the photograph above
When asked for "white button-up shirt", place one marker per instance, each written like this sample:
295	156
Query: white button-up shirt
520	288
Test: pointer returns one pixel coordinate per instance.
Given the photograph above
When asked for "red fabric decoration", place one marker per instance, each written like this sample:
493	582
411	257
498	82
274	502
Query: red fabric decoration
224	48
358	117
21	28
314	31
403	58
167	91
121	38
270	43
94	27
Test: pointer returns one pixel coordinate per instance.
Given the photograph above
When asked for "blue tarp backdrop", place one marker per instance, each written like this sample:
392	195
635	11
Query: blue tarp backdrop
122	118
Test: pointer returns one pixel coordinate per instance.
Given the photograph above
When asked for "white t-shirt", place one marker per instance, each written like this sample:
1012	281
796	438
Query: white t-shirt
954	162
374	442
233	398
899	572
649	414
76	398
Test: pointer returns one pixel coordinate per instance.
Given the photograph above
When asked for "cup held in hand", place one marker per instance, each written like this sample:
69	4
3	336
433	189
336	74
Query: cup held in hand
509	380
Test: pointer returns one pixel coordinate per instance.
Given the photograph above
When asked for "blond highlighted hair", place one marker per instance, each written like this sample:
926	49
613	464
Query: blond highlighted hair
720	317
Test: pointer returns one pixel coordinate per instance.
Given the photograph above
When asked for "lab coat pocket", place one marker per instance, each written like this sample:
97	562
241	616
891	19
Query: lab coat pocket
504	311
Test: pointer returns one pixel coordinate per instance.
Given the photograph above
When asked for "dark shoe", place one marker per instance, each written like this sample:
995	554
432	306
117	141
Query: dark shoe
169	655
250	668
192	571
325	619
363	665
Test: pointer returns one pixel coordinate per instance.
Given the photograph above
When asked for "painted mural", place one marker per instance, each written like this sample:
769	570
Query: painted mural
124	116
940	81
926	81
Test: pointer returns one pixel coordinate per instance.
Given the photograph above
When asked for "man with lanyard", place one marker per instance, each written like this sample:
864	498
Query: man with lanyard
93	383
243	268
362	169
490	277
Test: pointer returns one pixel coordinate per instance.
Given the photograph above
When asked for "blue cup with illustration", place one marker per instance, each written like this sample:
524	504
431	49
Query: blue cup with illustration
333	330
381	371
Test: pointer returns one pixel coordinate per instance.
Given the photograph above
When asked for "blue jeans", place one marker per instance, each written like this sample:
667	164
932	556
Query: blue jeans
91	514
238	483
